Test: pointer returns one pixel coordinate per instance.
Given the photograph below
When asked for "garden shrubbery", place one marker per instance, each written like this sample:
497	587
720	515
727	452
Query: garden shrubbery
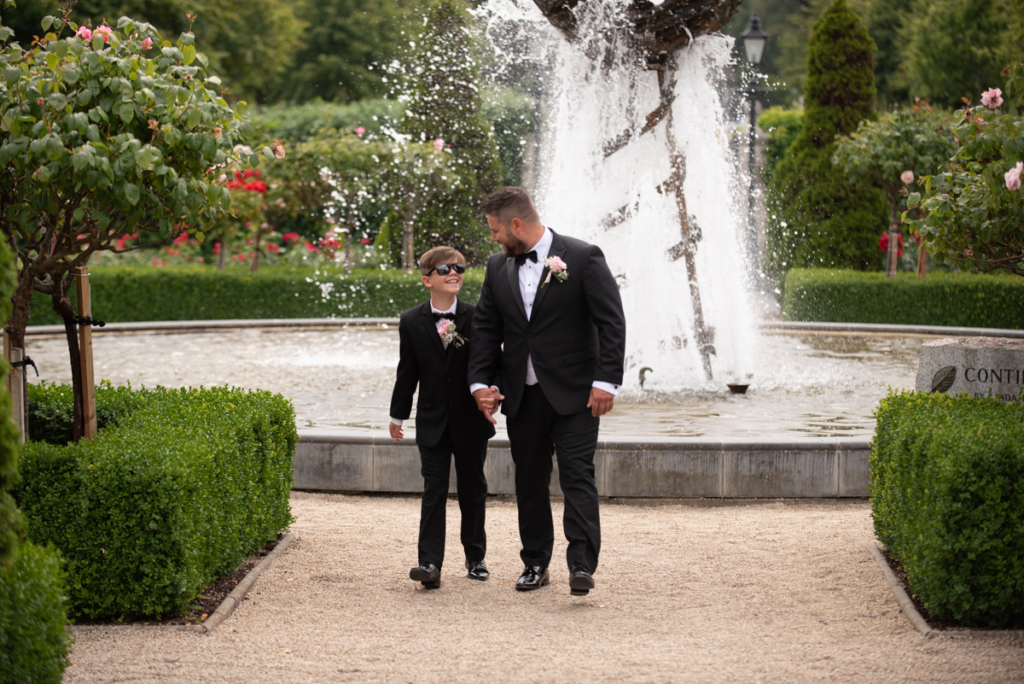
951	299
171	495
947	490
141	293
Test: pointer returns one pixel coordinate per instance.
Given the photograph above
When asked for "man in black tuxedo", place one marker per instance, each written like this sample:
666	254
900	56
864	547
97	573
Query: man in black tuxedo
434	343
549	346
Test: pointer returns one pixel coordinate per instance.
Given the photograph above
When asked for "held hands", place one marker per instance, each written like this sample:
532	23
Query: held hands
487	400
396	432
601	402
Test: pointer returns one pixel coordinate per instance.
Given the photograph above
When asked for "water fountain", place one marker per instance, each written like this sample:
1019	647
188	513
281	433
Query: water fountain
638	162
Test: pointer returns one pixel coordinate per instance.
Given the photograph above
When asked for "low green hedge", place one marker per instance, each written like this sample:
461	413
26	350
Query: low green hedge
195	293
34	643
953	299
176	493
947	493
51	411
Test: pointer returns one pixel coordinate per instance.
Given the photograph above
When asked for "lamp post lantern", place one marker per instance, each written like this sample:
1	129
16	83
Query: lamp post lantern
754	40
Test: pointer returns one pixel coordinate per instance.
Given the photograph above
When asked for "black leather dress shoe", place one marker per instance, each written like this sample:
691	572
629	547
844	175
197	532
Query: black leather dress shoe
533	577
580	582
428	575
477	570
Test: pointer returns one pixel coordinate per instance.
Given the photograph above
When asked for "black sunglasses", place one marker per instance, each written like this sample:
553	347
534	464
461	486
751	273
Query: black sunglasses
445	269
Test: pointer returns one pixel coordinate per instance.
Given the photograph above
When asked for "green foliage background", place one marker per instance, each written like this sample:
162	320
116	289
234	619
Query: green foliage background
947	495
951	299
816	215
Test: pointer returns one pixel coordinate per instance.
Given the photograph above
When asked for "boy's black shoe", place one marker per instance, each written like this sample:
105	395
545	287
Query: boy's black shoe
533	577
477	570
428	575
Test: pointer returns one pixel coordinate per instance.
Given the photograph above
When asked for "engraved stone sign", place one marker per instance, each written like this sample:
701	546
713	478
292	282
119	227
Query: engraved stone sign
979	366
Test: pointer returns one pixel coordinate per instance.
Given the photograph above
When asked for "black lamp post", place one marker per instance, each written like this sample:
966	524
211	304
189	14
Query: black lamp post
754	40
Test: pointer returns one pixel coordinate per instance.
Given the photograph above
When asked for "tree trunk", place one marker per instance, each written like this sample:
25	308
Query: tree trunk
350	230
220	257
15	327
255	265
922	261
63	307
892	257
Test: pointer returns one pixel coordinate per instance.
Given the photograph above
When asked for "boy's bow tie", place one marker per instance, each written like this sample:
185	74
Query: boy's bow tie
449	316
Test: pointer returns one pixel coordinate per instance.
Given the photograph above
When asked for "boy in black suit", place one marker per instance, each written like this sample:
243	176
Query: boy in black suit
434	340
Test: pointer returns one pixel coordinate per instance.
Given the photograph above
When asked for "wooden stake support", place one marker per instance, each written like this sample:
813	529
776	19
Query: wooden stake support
16	387
85	351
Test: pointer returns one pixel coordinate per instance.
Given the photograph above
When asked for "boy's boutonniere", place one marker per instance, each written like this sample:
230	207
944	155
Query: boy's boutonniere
446	329
556	267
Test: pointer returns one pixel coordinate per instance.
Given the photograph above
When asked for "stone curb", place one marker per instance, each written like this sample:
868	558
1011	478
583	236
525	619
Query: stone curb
228	605
223	611
907	606
339	323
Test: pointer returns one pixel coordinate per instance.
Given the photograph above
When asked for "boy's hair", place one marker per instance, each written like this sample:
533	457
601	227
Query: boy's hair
509	203
439	255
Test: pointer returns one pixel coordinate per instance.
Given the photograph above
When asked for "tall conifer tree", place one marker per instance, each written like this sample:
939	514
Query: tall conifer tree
816	216
445	105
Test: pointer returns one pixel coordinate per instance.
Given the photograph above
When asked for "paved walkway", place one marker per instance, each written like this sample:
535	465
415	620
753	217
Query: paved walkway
769	592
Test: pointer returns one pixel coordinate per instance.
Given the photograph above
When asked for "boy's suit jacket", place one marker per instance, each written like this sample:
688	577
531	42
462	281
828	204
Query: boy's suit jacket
444	397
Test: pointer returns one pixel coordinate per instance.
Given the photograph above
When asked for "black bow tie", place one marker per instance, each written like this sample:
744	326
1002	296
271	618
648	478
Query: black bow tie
449	316
521	258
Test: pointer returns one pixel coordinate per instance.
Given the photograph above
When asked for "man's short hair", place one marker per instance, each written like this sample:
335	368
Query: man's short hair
509	203
439	255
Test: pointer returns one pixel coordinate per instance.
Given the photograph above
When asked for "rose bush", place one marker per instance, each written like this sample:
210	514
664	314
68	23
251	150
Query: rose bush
101	138
975	209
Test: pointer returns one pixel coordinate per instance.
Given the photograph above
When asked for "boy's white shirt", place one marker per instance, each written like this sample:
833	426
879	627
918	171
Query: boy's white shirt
433	309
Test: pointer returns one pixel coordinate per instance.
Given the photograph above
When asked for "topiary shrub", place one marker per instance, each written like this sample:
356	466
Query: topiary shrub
34	642
969	300
947	494
177	493
816	215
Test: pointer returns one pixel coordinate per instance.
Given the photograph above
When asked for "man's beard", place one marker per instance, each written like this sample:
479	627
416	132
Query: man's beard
515	246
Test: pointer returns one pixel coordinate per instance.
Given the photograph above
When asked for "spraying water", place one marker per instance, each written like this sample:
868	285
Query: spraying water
636	160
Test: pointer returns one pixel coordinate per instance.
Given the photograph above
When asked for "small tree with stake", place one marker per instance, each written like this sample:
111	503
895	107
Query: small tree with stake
104	133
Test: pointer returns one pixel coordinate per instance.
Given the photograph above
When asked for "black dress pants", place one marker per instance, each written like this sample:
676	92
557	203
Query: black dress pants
435	465
535	432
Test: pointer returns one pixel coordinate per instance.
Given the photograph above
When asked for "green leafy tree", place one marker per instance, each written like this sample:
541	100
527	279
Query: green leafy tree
248	43
895	152
975	209
886	26
816	215
445	106
103	136
783	126
956	48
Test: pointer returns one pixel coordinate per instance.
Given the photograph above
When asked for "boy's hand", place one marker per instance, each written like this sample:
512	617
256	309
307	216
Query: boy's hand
488	400
396	432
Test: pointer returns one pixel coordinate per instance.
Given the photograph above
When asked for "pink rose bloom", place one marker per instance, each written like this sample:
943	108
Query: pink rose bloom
105	31
84	33
438	144
442	326
360	130
147	43
557	265
907	177
1013	177
992	98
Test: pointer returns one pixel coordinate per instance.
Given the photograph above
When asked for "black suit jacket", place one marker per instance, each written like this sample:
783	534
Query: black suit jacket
576	333
444	397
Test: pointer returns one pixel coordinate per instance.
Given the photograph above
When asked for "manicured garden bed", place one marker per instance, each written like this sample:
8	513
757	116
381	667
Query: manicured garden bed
949	299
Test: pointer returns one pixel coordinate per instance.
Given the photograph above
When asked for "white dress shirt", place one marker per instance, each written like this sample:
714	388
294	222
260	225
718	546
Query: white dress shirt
529	284
433	310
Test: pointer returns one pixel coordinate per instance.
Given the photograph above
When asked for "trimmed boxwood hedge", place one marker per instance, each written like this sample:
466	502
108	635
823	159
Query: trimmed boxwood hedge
947	494
195	293
172	495
953	299
34	643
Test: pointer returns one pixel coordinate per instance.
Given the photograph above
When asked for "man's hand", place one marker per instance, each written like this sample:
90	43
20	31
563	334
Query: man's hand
396	432
601	402
487	400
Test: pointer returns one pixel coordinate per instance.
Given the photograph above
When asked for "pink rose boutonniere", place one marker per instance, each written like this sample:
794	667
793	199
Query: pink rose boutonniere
556	267
446	329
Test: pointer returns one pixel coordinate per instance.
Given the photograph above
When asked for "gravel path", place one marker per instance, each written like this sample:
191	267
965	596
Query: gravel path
754	593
